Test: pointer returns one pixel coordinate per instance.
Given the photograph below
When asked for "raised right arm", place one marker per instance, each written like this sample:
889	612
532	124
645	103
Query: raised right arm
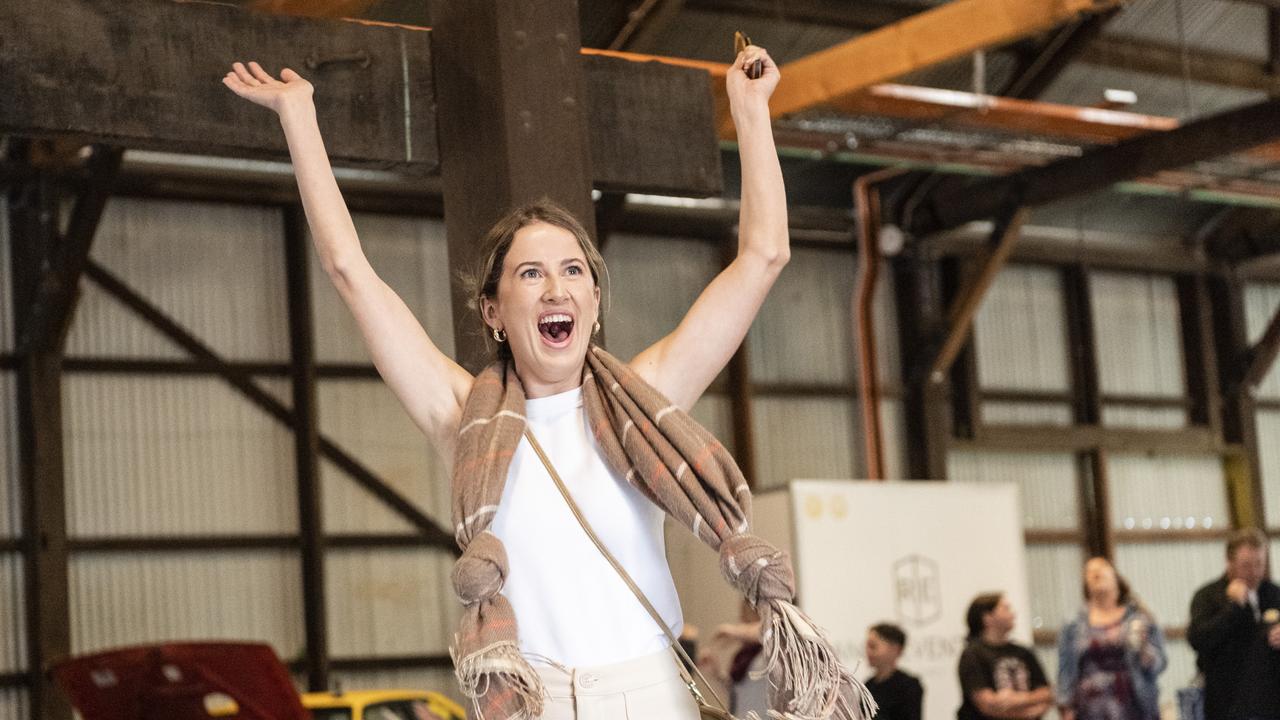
430	385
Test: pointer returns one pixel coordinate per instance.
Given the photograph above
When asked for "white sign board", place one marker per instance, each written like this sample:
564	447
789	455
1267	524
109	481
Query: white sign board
911	553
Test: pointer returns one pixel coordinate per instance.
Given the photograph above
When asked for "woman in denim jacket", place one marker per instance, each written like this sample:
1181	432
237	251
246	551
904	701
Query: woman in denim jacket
1110	655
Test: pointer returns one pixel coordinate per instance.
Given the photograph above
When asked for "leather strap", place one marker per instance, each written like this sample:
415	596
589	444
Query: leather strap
657	617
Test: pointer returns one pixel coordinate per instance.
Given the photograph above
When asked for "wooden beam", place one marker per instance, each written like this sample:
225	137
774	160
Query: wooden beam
14	680
1239	414
239	543
518	137
645	25
374	84
957	201
828	78
1133	54
1262	356
650	126
33	213
1055	56
314	8
1199	358
266	402
306	434
741	389
440	661
1183	441
853	16
57	290
961	316
919	304
374	81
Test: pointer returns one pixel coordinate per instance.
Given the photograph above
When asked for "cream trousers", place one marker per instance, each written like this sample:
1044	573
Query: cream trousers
646	688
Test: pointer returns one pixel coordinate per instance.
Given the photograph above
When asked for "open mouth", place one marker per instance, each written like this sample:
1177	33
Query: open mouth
555	327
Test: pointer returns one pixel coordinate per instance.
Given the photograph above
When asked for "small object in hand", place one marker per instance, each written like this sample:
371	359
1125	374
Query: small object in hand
742	42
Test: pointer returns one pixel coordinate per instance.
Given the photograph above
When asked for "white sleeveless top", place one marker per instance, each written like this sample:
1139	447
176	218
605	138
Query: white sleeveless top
571	606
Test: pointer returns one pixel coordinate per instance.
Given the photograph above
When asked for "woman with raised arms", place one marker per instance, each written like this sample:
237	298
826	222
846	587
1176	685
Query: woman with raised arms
549	629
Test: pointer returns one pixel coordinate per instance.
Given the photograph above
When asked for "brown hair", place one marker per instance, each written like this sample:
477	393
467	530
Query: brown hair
979	608
483	283
1124	593
891	634
1252	537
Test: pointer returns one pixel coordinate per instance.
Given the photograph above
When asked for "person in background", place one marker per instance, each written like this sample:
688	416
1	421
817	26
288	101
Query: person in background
1111	654
898	694
999	678
1235	630
735	661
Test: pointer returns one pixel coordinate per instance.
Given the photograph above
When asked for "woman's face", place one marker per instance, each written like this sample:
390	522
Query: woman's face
547	303
1100	577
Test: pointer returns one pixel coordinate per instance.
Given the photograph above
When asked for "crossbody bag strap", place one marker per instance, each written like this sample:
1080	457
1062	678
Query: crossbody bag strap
653	612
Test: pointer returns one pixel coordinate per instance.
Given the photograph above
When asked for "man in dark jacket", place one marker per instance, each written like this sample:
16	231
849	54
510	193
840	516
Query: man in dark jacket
1235	630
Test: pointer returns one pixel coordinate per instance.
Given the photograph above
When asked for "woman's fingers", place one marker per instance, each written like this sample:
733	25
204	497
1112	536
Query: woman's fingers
262	75
750	55
242	73
288	75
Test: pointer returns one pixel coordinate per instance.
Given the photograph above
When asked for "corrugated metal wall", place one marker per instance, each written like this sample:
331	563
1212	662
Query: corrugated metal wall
129	598
218	270
1046	481
438	680
13	646
385	602
187	455
1020	334
1169	492
654	281
1262	302
390	602
13	627
13	704
1020	338
1020	341
182	455
173	456
804	335
1166	574
1139	343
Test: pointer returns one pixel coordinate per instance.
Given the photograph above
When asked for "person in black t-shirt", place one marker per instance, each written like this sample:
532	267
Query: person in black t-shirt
999	678
898	694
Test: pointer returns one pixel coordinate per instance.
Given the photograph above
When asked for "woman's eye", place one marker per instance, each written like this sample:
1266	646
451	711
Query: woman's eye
574	270
529	273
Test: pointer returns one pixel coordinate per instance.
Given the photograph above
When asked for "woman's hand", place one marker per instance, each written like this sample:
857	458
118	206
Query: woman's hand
256	85
744	92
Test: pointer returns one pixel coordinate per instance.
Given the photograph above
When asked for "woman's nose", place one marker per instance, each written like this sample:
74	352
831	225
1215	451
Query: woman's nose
555	289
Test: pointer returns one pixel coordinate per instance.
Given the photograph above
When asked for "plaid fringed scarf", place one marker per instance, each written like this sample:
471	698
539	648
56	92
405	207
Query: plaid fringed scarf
682	468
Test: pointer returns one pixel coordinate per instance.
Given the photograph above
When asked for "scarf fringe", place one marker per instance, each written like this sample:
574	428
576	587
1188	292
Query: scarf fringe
501	662
805	667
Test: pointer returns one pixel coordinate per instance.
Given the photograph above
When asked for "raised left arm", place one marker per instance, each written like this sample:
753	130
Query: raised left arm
682	364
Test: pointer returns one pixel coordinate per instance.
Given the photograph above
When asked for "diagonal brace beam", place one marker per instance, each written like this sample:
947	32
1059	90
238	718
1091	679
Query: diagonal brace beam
57	288
244	383
960	318
1262	356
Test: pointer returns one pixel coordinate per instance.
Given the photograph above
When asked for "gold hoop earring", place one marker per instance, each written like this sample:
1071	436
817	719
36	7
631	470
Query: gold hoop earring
500	335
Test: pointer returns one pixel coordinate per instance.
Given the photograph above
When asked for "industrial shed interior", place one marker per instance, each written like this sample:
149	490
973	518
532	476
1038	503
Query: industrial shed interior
1076	292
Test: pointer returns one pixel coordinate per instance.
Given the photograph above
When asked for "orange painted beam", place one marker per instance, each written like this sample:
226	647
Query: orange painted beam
832	78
